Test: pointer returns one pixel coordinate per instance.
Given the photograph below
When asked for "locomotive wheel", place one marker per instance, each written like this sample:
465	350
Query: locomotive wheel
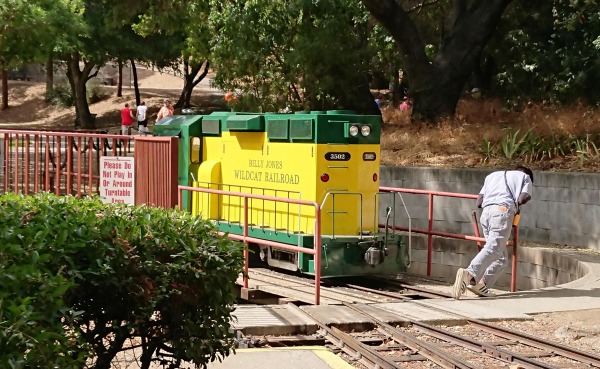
255	258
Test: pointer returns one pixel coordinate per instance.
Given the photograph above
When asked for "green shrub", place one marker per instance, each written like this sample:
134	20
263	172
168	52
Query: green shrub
94	92
62	95
79	278
532	148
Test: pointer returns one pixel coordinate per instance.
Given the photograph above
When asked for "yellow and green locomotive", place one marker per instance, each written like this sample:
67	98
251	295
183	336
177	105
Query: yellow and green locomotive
331	158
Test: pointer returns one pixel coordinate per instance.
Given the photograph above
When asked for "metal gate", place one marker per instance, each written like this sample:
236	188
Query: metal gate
68	163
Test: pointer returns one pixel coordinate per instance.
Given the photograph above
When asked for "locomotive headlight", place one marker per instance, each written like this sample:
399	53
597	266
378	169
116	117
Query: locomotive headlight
353	130
365	131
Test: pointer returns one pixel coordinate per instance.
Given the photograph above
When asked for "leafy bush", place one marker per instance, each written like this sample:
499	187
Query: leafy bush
511	143
79	279
62	95
536	148
94	92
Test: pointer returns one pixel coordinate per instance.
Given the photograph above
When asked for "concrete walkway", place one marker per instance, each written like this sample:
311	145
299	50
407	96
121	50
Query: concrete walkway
581	294
290	358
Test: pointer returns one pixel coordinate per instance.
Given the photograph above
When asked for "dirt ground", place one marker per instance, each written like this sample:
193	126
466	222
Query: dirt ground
457	142
28	110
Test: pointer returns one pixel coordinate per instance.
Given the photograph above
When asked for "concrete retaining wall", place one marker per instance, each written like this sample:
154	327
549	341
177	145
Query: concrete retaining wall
565	208
536	267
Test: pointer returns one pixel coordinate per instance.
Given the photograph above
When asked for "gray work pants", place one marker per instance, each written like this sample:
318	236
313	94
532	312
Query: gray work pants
489	263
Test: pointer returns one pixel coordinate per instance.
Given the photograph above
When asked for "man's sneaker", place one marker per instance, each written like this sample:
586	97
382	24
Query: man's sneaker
460	285
480	289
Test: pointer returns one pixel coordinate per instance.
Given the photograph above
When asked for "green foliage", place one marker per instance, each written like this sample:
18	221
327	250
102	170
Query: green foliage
585	148
62	94
79	278
547	50
532	147
310	55
94	92
511	143
488	149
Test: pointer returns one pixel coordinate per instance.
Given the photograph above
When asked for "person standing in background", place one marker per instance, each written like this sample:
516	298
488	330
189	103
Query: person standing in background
126	118
142	118
165	111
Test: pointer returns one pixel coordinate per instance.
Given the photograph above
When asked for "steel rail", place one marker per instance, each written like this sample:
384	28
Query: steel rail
429	351
351	346
524	338
562	350
324	293
332	284
485	348
387	294
422	291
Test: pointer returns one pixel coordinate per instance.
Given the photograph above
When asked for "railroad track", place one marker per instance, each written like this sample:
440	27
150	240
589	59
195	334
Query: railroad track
337	291
388	347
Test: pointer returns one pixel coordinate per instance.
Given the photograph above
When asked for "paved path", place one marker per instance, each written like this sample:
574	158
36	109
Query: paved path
580	294
288	358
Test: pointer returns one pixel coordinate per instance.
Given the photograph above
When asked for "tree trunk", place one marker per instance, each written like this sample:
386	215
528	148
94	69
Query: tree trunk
49	77
190	81
436	86
73	88
395	88
359	99
4	89
120	81
136	87
78	80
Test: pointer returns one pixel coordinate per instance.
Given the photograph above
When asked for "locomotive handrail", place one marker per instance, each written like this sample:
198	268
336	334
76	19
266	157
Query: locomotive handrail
376	223
252	188
333	212
430	232
316	251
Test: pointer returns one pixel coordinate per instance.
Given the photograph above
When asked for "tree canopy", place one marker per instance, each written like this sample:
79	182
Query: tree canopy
325	54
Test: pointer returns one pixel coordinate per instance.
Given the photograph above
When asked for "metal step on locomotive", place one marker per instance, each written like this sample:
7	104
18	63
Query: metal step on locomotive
329	157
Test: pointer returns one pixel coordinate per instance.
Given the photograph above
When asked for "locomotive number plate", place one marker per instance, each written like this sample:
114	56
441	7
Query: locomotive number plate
337	156
369	156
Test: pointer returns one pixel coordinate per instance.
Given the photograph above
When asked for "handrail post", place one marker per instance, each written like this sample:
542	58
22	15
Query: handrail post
16	164
513	279
317	254
430	236
180	198
58	158
246	256
476	229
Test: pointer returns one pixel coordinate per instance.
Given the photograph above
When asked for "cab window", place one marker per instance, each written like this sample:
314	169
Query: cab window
195	148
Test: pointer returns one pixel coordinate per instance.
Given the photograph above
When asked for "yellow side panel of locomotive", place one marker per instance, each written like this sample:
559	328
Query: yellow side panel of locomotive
251	164
350	187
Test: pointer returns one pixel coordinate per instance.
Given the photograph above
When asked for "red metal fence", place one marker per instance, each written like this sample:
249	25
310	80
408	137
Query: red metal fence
156	168
65	163
68	163
316	251
430	232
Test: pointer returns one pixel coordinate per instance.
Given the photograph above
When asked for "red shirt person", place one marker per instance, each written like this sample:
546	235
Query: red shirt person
126	117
